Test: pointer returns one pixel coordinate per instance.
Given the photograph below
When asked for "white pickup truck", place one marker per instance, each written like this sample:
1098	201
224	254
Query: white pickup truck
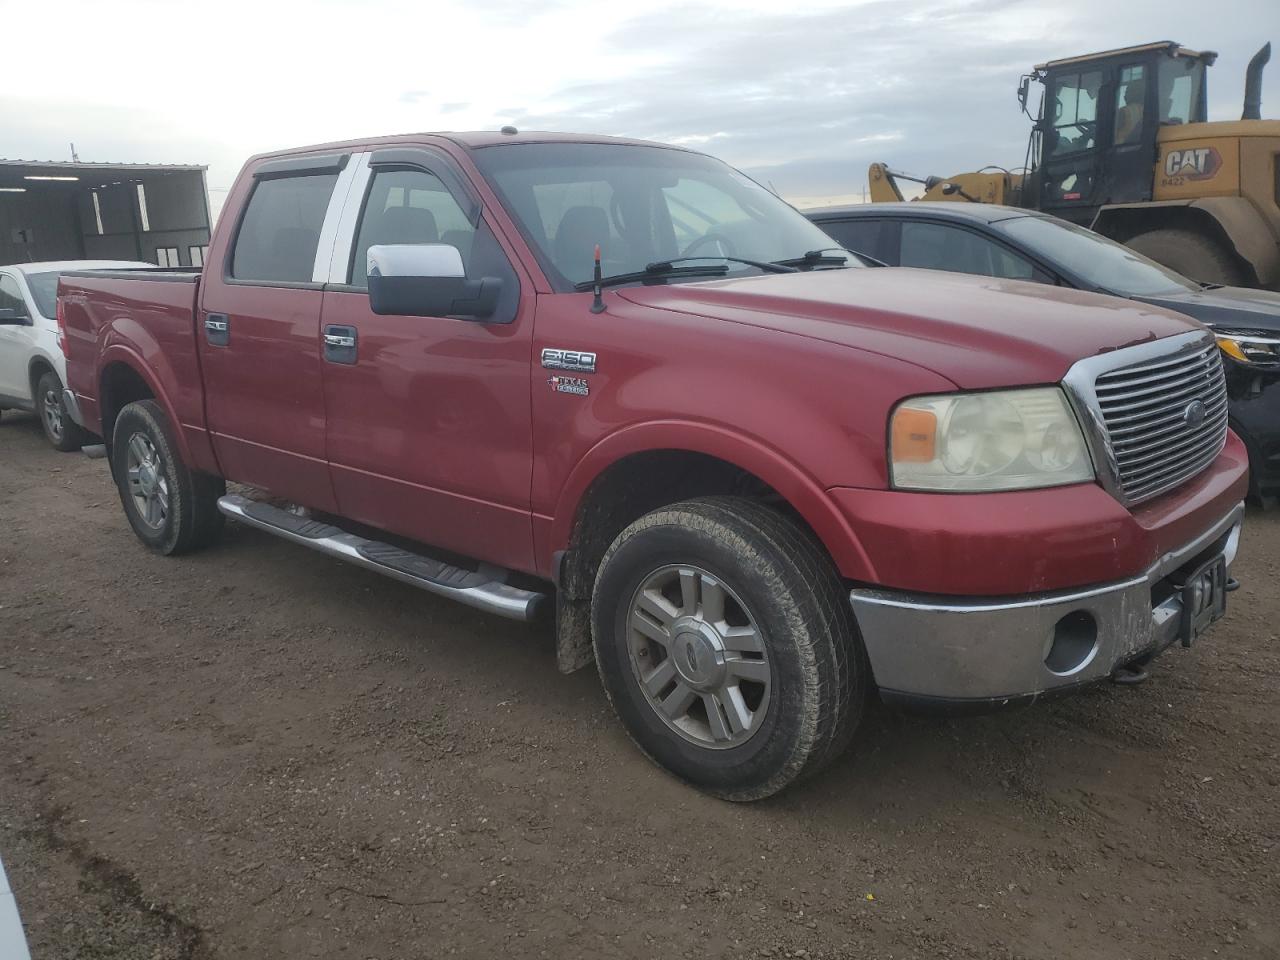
32	366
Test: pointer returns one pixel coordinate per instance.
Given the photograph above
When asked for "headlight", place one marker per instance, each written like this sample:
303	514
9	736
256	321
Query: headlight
1253	347
974	442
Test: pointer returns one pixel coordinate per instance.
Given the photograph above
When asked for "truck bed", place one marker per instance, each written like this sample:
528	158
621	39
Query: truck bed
148	317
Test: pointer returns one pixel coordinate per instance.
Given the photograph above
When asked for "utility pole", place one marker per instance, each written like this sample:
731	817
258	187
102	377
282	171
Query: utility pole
75	157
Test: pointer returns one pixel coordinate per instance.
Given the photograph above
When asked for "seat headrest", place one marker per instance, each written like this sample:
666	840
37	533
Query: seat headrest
581	228
407	225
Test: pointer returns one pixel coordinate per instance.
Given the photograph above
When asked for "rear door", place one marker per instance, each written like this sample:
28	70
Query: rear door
428	418
259	329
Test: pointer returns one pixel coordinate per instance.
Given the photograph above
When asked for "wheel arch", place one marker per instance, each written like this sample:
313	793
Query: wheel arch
122	379
37	367
646	466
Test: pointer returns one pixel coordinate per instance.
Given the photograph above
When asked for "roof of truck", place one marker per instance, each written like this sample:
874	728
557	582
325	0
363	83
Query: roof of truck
470	140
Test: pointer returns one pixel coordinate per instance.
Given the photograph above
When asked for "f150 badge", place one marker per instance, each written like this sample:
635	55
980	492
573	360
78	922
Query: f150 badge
574	385
575	360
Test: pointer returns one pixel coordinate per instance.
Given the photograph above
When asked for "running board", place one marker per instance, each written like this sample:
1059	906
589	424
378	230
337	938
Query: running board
482	589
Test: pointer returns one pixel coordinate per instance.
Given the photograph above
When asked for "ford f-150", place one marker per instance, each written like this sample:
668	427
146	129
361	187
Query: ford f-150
755	479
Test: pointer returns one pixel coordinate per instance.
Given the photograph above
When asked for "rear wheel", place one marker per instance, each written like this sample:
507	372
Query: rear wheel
171	509
726	645
59	428
1191	254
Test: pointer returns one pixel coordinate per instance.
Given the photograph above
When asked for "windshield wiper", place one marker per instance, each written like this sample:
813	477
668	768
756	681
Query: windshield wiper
656	271
669	269
817	258
772	266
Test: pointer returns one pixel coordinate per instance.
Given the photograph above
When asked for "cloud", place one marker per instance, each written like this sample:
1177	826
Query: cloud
802	96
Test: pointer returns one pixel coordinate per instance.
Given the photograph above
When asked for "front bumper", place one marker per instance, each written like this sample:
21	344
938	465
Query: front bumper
986	652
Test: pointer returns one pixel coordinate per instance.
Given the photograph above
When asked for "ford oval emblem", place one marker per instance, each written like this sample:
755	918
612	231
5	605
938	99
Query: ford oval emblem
1195	413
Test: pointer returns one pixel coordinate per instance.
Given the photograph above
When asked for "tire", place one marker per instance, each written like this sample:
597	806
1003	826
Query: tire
800	692
1192	255
59	429
171	509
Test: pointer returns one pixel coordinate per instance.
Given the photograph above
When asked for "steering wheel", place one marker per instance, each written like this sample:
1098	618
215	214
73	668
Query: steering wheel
726	245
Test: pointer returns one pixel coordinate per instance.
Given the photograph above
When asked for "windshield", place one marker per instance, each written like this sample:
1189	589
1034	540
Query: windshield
44	291
1095	259
642	205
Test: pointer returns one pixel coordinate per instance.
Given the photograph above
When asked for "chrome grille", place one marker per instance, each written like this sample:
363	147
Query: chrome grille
1145	406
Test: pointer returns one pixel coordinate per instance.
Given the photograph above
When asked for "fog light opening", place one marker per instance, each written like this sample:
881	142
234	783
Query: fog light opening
1075	639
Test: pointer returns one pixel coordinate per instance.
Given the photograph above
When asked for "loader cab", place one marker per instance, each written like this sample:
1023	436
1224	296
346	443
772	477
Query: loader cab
1094	140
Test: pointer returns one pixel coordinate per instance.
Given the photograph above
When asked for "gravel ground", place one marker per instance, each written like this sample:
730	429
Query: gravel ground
260	752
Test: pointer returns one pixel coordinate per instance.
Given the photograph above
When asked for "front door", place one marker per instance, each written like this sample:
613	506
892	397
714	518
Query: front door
259	335
428	419
15	343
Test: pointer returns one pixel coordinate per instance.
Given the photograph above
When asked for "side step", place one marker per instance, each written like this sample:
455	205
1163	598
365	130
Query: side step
482	589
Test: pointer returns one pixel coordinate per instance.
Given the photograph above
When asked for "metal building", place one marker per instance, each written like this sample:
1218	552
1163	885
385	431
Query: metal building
103	211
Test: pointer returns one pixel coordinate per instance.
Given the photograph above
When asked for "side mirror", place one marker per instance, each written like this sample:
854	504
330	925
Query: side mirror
9	317
1024	88
427	280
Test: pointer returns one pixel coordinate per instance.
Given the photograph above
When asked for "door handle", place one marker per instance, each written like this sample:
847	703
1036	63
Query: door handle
340	344
217	329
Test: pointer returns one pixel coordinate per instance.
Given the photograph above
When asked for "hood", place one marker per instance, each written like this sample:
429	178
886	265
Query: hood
1225	307
979	332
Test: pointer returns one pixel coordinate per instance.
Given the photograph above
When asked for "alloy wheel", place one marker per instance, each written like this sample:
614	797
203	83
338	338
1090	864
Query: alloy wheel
699	657
148	484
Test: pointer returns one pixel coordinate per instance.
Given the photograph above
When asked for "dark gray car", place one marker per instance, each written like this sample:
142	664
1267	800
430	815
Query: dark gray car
1018	244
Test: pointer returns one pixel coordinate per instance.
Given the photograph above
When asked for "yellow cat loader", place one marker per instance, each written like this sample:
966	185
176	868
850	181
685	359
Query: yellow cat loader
1121	144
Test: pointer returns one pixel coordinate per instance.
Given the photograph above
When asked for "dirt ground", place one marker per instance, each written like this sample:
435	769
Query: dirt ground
259	752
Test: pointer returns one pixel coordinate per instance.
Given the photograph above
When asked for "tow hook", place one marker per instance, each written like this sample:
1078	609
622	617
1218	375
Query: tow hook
1132	673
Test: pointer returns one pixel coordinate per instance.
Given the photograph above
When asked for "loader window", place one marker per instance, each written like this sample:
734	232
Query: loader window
1181	82
1073	113
1131	98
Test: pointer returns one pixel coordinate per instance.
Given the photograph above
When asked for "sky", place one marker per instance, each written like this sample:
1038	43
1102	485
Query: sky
801	97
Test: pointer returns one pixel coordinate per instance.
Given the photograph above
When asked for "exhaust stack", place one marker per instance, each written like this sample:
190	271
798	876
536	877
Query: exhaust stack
1253	84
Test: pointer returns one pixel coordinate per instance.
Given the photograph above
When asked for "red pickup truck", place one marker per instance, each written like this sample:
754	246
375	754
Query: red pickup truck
759	478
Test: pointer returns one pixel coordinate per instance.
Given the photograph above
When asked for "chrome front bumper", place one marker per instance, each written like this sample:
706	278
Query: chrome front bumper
928	648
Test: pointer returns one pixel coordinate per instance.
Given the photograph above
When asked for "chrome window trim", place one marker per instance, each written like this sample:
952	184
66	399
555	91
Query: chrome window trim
334	249
1083	397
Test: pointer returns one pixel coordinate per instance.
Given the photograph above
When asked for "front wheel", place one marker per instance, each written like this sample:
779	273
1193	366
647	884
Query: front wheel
59	428
171	508
726	645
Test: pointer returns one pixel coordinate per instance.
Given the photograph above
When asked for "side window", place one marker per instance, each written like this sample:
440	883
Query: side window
1131	99
1073	113
409	206
934	246
1180	89
11	296
281	229
860	236
414	206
